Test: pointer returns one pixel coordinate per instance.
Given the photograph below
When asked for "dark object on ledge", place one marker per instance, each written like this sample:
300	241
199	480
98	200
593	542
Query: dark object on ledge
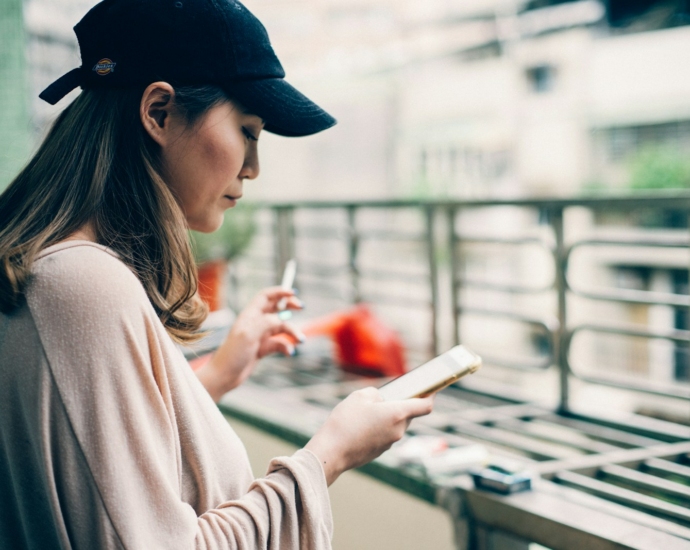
498	480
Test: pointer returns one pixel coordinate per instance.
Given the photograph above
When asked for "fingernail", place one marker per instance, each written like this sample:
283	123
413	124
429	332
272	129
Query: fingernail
300	303
302	337
295	291
293	352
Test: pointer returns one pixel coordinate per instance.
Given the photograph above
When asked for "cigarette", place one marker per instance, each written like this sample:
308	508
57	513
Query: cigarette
288	281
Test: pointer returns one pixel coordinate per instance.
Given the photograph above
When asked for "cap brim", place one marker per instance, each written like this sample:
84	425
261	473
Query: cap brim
286	111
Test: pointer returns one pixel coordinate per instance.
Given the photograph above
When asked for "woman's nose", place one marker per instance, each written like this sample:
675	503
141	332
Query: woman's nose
250	170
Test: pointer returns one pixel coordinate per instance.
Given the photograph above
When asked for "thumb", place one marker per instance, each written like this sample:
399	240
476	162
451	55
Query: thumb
417	406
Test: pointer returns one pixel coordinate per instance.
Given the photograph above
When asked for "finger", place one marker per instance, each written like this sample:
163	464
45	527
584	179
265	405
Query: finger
277	344
293	331
269	297
277	326
412	408
294	303
285	305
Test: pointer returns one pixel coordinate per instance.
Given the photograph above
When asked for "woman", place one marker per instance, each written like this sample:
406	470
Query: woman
108	439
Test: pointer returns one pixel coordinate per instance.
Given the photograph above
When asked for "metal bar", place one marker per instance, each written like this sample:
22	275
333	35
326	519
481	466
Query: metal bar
353	248
617	434
314	232
646	482
630	296
393	236
560	344
675	335
381	275
321	232
625	455
467	239
647	386
659	466
641	240
624	496
482	415
433	278
511	289
536	449
564	437
454	279
675	200
637	424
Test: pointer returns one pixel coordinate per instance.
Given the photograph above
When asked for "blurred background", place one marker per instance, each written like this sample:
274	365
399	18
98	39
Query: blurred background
491	181
475	98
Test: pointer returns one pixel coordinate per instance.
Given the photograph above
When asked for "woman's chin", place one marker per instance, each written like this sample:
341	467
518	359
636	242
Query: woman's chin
208	225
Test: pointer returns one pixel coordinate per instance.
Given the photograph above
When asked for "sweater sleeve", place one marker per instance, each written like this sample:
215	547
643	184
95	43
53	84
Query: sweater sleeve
283	510
106	360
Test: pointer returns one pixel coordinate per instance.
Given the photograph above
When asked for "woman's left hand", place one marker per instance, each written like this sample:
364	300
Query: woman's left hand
253	335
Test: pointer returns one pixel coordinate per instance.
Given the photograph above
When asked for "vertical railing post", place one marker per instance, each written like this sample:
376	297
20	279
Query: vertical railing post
284	239
560	343
353	250
454	280
433	277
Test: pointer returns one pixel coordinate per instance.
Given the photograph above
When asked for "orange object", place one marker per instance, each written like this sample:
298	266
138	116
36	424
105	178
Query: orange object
364	345
211	283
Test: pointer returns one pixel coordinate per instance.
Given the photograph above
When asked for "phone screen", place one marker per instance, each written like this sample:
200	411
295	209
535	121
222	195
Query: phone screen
432	376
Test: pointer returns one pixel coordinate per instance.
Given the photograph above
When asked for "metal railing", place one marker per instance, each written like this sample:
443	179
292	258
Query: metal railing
442	244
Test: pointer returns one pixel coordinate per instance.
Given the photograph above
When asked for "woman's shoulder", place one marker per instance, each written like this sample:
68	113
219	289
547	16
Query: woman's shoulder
84	271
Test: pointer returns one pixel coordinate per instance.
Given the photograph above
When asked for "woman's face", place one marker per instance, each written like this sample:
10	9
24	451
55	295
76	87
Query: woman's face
205	163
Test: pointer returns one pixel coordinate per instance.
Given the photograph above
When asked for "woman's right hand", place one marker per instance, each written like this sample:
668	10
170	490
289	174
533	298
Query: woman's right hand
361	427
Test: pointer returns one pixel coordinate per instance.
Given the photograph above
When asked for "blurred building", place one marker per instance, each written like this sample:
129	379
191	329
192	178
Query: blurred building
480	97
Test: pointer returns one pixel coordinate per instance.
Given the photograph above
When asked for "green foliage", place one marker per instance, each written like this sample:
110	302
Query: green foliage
230	240
594	187
658	168
15	128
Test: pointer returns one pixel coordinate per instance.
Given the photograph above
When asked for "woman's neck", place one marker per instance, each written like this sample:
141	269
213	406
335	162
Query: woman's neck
84	233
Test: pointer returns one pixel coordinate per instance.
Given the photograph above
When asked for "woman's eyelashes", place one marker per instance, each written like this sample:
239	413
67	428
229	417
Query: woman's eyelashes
249	135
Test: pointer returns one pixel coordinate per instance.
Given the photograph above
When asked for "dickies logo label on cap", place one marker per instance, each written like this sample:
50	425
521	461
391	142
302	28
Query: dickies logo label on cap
104	66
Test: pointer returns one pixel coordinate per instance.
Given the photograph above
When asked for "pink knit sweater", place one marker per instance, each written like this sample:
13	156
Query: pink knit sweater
108	440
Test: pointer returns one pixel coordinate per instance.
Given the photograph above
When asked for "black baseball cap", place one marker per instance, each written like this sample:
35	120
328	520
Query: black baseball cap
125	43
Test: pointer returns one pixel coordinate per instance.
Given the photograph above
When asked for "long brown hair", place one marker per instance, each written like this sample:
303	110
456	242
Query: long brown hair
98	165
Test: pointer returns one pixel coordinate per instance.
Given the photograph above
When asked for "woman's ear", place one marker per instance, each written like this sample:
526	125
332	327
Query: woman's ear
156	111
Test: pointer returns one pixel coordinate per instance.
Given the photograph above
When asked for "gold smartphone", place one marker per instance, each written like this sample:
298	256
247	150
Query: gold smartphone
432	376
